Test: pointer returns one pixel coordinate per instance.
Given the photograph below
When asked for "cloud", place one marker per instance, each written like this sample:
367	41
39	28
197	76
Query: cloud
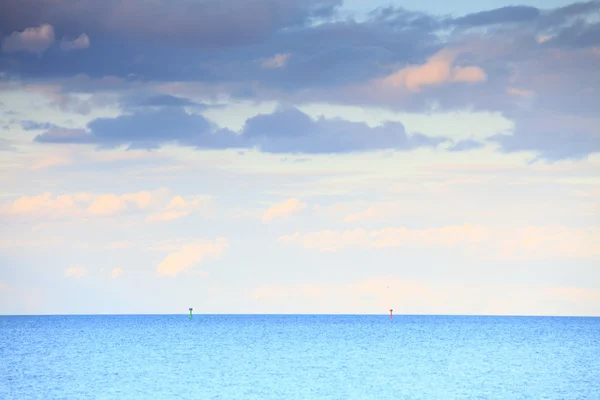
283	210
110	204
107	204
184	258
45	204
178	207
292	131
503	15
116	272
466	145
75	272
395	58
166	100
477	240
520	92
563	136
155	203
30	125
287	130
32	40
277	61
437	70
184	24
146	129
80	43
64	135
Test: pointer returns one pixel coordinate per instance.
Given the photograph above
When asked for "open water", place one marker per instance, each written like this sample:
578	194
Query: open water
298	357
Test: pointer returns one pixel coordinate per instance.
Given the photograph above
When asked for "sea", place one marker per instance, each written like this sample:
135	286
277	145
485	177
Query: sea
299	357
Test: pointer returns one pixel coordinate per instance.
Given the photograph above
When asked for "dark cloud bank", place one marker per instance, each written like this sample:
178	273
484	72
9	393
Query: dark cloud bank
225	44
287	130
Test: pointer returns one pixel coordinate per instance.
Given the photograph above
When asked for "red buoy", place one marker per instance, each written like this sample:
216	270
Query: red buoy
391	311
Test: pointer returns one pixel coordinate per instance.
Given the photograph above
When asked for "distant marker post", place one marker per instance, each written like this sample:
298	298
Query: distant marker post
391	313
191	309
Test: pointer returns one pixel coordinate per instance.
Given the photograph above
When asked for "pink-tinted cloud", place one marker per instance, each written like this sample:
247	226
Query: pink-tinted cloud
277	61
439	69
154	202
178	207
283	210
76	272
183	258
33	40
107	204
116	272
477	240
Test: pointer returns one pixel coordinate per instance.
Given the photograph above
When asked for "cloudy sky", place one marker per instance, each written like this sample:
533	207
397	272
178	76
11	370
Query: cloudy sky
300	156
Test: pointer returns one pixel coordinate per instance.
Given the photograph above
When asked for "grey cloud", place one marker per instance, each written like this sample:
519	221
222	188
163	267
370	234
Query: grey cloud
291	131
80	43
562	15
401	18
331	61
198	23
465	145
509	14
65	136
159	100
29	125
552	137
147	129
31	39
579	34
284	131
551	145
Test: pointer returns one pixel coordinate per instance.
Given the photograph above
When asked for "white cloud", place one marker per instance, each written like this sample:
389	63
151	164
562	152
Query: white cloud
183	258
283	210
33	40
82	42
76	272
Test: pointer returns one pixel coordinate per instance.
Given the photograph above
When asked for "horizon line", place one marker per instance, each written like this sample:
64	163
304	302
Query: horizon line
304	314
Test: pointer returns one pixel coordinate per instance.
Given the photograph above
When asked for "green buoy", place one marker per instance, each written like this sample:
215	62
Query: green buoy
191	309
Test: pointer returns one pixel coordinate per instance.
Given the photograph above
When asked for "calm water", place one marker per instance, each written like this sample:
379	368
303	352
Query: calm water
299	357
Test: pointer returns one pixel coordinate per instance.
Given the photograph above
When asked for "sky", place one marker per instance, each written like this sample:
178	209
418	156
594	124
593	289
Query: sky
300	156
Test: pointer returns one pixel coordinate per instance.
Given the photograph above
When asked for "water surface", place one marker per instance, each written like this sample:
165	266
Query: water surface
298	357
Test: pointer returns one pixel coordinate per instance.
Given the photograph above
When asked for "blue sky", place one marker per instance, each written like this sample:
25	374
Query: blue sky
313	156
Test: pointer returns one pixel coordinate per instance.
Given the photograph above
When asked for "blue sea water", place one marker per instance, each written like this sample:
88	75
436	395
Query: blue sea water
298	357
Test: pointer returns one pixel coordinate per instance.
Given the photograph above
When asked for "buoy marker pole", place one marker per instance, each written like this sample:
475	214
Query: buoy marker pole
191	309
391	313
